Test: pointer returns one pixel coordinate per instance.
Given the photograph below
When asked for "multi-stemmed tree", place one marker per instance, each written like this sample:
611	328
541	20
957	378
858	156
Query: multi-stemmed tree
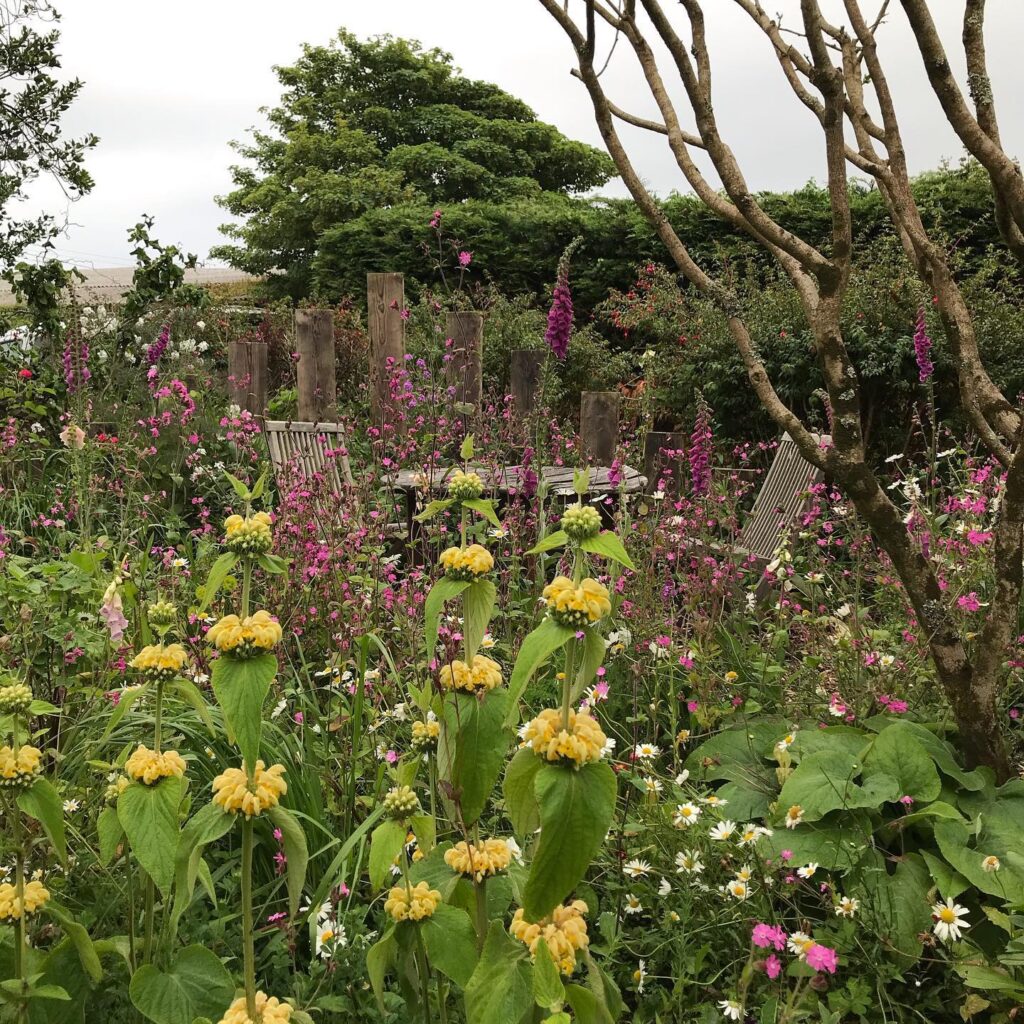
836	72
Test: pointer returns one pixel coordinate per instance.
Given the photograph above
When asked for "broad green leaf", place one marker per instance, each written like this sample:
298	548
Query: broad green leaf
451	943
43	803
466	451
218	573
379	957
593	648
434	508
942	753
953	839
896	905
477	607
485	508
950	883
295	851
558	539
129	695
433	869
149	816
824	782
990	979
548	990
208	824
745	802
196	984
239	488
442	591
608	545
576	809
80	939
836	842
386	843
841	740
187	692
241	686
896	753
586	1006
258	488
273	564
537	647
425	830
109	833
471	748
520	798
501	989
738	754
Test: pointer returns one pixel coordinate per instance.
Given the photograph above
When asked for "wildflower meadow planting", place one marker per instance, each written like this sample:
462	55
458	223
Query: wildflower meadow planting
642	642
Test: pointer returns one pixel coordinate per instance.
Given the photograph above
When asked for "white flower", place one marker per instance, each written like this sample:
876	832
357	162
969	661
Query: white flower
179	563
799	943
279	709
713	801
685	815
847	906
738	889
644	751
652	785
794	816
640	975
664	888
609	747
329	938
724	830
731	1009
633	905
887	661
950	918
991	864
751	833
688	863
786	742
497	533
513	849
487	642
36	428
807	871
636	868
398	712
70	806
683	776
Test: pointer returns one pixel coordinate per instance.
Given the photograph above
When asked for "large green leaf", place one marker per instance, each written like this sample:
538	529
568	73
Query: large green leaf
483	507
434	508
836	842
128	696
196	985
386	843
241	686
79	938
296	853
472	746
207	825
379	958
738	754
501	989
451	943
109	833
1008	882
608	545
896	753
218	574
477	606
950	883
149	817
824	782
537	647
941	752
520	798
441	592
43	803
896	906
558	539
187	691
548	990
593	654
576	809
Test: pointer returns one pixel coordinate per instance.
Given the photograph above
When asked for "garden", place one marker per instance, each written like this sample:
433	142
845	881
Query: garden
636	641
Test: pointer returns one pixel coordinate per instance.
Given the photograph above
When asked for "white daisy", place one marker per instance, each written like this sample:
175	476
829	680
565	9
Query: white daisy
664	888
636	868
738	889
682	777
794	816
633	905
807	871
847	906
724	830
685	815
645	751
640	975
731	1009
950	918
70	806
688	863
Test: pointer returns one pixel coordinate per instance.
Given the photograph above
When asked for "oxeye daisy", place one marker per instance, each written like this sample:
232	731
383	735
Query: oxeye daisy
794	816
636	868
847	906
685	815
731	1009
807	871
950	918
689	863
632	904
723	831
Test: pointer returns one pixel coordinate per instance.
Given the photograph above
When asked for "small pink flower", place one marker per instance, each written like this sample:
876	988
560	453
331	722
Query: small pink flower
821	958
907	801
786	854
765	935
391	757
773	966
692	705
299	717
465	258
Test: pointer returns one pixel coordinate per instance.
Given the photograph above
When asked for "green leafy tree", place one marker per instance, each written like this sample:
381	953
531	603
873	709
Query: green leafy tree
368	129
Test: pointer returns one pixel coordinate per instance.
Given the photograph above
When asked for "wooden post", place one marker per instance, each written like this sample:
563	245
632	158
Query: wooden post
385	301
656	444
465	371
525	377
599	425
314	342
247	375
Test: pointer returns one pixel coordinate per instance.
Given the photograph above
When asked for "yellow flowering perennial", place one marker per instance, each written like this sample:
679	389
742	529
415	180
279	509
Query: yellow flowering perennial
15	699
467	563
412	905
233	792
465	486
401	802
478	860
116	788
484	674
269	1010
249	536
582	742
18	769
577	606
581	522
425	734
564	931
243	638
148	766
12	907
159	662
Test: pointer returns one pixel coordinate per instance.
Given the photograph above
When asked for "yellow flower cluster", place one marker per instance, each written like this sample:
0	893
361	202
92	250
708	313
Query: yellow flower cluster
248	536
21	767
161	613
15	699
581	522
160	662
412	905
148	766
233	792
465	486
564	931
582	742
243	638
478	860
485	674
12	906
425	734
401	802
269	1010
116	788
576	606
467	563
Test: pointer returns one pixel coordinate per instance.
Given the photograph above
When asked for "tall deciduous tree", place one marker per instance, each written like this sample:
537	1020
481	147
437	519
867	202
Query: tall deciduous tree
32	105
365	127
838	75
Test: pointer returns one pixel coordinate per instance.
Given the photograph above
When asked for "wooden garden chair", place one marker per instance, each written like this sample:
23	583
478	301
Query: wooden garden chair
310	449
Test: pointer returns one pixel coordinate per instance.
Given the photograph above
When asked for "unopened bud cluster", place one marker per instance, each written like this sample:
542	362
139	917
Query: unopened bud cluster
465	486
161	614
401	802
581	522
15	699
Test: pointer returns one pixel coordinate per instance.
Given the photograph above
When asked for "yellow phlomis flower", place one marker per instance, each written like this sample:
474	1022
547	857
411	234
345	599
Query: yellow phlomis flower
478	860
577	606
15	699
463	486
148	766
269	1010
405	905
18	768
232	791
12	907
582	742
160	662
467	563
242	638
425	734
564	931
484	674
248	536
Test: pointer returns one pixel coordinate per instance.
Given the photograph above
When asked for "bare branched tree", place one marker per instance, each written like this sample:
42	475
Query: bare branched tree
836	73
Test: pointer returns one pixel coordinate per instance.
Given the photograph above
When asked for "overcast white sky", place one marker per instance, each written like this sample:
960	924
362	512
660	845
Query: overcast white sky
167	85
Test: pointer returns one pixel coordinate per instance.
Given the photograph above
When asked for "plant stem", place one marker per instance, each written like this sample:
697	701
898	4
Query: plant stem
246	586
19	923
147	944
248	940
481	913
421	956
570	668
158	717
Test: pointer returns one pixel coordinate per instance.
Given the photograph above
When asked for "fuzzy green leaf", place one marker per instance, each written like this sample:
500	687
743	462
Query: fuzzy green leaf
608	545
197	984
295	851
537	647
218	574
241	686
43	803
149	816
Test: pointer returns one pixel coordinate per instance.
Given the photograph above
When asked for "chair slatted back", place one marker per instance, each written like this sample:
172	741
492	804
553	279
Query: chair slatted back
782	499
310	449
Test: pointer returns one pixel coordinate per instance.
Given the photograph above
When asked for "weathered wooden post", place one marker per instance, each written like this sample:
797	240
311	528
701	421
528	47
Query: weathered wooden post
525	377
599	424
247	375
314	342
657	445
465	370
385	303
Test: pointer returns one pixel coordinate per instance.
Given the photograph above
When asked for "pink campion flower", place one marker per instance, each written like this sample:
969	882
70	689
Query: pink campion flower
897	707
435	220
786	854
465	258
299	717
969	602
391	757
766	935
773	966
907	800
821	958
274	918
692	705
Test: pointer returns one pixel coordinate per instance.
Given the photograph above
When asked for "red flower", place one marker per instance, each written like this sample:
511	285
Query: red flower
25	374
